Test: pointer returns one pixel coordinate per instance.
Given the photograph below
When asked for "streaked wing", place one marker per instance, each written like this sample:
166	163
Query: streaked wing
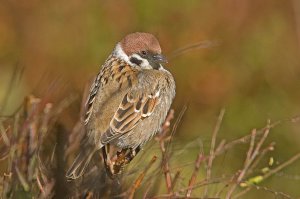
114	70
132	110
90	100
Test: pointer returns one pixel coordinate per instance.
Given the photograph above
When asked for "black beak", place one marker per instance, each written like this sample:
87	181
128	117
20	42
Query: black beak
159	58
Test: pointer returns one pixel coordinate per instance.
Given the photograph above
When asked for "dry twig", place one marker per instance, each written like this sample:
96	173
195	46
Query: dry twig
138	181
271	173
251	155
194	175
161	139
212	148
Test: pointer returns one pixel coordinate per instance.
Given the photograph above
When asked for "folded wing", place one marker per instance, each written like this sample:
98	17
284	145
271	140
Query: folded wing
134	107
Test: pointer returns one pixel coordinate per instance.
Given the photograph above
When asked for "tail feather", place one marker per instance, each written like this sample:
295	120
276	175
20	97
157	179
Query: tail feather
81	162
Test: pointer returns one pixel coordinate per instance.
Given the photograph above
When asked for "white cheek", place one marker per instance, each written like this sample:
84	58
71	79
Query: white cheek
118	52
145	64
161	67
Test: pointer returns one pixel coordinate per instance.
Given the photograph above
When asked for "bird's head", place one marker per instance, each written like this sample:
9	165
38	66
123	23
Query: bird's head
141	50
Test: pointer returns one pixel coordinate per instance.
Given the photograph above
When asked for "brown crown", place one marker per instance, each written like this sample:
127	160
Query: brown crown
139	41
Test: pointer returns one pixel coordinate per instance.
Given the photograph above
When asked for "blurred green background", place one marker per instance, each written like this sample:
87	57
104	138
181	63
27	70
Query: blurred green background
52	48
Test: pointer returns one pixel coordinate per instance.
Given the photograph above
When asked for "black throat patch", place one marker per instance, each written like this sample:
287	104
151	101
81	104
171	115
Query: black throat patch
135	61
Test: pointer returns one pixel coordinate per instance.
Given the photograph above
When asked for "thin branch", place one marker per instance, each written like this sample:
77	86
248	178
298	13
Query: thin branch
250	158
4	135
263	152
242	192
178	197
196	185
276	193
246	138
212	148
175	126
194	175
250	151
147	190
165	166
175	179
22	179
40	185
138	181
196	46
161	139
282	166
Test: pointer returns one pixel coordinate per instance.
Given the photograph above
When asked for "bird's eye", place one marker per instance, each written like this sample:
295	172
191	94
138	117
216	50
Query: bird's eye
144	52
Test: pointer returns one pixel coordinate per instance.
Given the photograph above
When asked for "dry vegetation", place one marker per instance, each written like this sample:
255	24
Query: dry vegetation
35	148
50	49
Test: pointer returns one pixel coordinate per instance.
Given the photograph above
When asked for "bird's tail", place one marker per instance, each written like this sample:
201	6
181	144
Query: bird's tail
81	162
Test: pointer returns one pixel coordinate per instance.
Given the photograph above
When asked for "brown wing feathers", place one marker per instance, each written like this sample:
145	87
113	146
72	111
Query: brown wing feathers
149	107
131	110
115	69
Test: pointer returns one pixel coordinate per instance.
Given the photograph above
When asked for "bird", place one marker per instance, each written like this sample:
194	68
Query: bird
127	104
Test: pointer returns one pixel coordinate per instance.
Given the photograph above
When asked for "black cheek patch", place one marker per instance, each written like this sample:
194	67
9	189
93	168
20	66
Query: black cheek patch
135	61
